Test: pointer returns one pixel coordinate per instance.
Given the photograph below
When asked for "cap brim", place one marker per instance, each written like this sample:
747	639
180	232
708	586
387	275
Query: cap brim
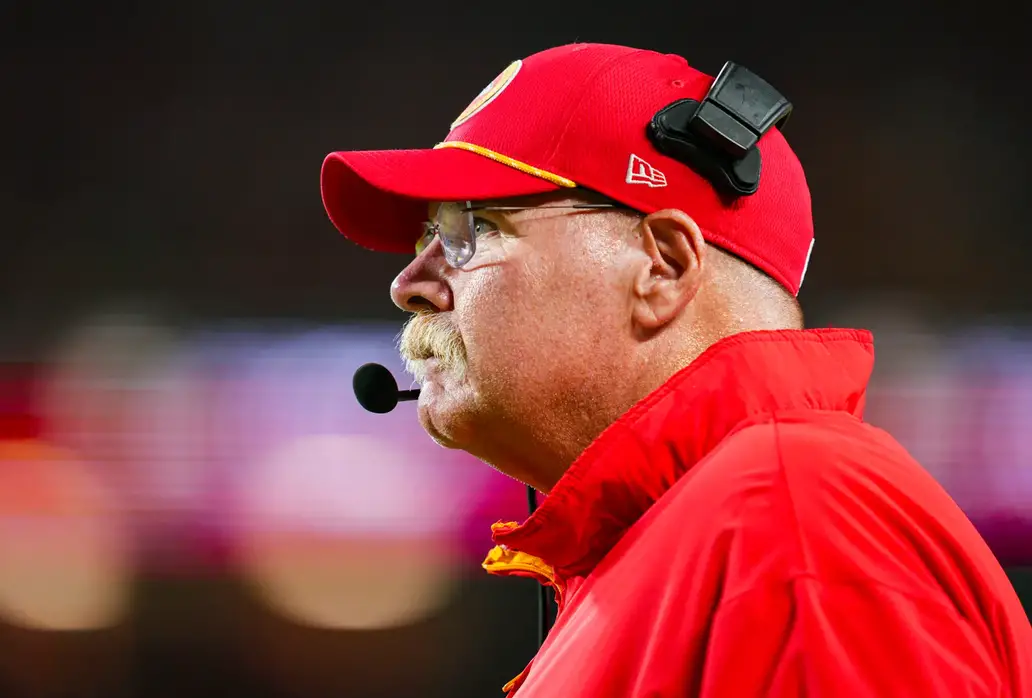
378	198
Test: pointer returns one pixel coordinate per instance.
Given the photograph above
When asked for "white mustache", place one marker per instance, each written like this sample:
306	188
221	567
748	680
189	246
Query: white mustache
430	335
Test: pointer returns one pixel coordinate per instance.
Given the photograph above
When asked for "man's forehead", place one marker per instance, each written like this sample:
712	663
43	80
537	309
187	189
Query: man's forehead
529	201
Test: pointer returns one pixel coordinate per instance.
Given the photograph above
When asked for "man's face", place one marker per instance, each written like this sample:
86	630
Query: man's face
517	340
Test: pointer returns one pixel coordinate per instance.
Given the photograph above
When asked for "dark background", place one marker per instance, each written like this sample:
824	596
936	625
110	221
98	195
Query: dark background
163	159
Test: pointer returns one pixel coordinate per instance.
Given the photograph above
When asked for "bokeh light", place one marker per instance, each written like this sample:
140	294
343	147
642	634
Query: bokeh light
65	561
338	533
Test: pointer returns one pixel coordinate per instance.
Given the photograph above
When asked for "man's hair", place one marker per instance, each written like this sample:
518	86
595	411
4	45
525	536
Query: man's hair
755	293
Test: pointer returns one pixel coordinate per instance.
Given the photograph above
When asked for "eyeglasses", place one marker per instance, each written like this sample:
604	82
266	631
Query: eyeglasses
458	228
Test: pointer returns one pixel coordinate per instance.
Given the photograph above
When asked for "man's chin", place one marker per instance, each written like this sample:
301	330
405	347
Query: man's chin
440	428
445	411
454	419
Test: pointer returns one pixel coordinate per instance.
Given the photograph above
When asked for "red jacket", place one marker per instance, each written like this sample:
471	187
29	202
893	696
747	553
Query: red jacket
741	532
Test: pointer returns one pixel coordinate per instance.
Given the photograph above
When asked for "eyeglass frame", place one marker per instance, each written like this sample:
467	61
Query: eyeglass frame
433	228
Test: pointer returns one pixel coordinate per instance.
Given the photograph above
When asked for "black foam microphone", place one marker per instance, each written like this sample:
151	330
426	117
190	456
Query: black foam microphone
377	391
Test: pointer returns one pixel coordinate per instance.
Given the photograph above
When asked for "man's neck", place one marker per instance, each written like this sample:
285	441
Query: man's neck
540	454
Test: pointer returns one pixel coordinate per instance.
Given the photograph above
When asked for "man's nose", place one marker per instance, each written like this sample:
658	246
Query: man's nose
422	285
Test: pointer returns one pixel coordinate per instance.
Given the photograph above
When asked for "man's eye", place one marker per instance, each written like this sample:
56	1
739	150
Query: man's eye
424	241
482	226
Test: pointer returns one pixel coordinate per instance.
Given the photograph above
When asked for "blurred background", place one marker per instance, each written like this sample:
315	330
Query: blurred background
191	502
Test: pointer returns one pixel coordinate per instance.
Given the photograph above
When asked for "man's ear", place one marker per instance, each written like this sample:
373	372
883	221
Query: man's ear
676	251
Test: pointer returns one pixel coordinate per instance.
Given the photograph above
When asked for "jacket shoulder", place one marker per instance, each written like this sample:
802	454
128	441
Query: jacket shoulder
829	497
815	447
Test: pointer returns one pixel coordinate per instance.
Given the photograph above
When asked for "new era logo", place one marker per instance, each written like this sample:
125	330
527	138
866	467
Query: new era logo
641	172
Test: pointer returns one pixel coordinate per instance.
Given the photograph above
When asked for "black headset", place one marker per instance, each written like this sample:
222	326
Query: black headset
717	137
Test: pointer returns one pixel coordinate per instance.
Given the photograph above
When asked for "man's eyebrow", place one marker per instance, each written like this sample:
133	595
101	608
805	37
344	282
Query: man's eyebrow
528	201
519	202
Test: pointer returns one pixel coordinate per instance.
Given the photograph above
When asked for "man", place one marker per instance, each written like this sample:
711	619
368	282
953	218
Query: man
604	307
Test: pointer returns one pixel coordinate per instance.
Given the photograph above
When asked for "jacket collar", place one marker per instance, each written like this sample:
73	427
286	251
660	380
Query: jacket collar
641	455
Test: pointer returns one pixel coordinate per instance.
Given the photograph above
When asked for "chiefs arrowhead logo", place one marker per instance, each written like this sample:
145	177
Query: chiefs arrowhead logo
489	93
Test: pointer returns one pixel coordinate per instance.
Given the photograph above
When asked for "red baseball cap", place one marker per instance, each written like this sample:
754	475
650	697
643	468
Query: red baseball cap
575	116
